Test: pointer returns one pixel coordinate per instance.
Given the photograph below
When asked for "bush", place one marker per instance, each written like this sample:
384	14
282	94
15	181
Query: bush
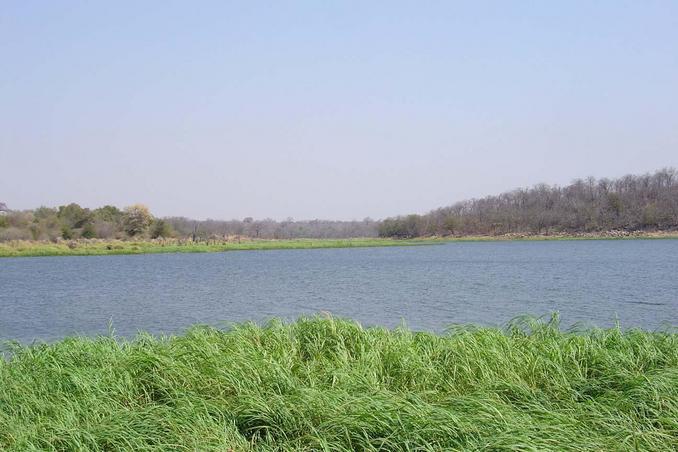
14	233
66	232
88	231
161	229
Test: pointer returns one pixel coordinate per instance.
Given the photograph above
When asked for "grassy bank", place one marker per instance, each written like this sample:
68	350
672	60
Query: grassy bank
326	384
95	247
104	247
609	235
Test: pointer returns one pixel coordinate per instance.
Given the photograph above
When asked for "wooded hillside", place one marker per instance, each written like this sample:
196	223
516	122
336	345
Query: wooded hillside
645	202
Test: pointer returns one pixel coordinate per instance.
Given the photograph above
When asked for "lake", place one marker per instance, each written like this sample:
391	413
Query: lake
426	287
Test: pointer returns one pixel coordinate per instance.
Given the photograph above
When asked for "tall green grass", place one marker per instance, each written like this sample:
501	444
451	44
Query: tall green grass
328	384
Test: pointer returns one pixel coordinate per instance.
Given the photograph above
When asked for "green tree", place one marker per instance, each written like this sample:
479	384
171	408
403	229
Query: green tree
73	215
401	227
66	232
45	213
161	228
110	214
88	231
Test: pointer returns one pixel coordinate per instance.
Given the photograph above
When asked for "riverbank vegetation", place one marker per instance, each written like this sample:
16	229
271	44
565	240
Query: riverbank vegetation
137	223
97	247
631	204
94	247
328	384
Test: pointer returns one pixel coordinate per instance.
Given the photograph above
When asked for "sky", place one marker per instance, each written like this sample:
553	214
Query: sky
331	110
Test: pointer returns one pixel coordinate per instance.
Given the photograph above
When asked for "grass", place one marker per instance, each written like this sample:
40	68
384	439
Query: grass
95	247
329	384
610	235
106	247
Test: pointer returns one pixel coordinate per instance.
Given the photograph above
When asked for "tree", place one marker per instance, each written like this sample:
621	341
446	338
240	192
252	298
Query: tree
45	213
73	215
401	227
107	221
161	229
628	203
88	231
110	214
136	219
66	232
450	224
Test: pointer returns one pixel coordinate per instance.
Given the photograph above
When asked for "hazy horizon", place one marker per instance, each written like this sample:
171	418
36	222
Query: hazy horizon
340	111
209	218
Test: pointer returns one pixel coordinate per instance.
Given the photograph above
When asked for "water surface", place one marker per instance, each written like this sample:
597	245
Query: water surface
427	287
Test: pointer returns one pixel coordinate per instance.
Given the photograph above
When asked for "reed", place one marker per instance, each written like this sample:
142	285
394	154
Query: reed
330	384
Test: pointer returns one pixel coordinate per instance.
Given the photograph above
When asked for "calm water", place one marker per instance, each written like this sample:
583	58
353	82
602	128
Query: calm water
428	287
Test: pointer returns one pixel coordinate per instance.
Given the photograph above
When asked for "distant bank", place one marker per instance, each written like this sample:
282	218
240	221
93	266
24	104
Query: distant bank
98	247
647	202
95	247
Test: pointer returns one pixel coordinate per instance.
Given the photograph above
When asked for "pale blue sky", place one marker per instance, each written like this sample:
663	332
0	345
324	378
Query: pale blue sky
335	110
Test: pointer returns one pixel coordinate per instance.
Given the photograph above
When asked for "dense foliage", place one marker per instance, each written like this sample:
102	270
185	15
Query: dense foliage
647	202
73	221
325	384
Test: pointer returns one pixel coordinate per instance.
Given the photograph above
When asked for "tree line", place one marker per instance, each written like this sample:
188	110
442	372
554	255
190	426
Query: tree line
137	222
73	222
629	203
272	229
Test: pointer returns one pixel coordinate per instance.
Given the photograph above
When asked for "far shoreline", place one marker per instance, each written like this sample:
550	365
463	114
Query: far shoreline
98	247
607	235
